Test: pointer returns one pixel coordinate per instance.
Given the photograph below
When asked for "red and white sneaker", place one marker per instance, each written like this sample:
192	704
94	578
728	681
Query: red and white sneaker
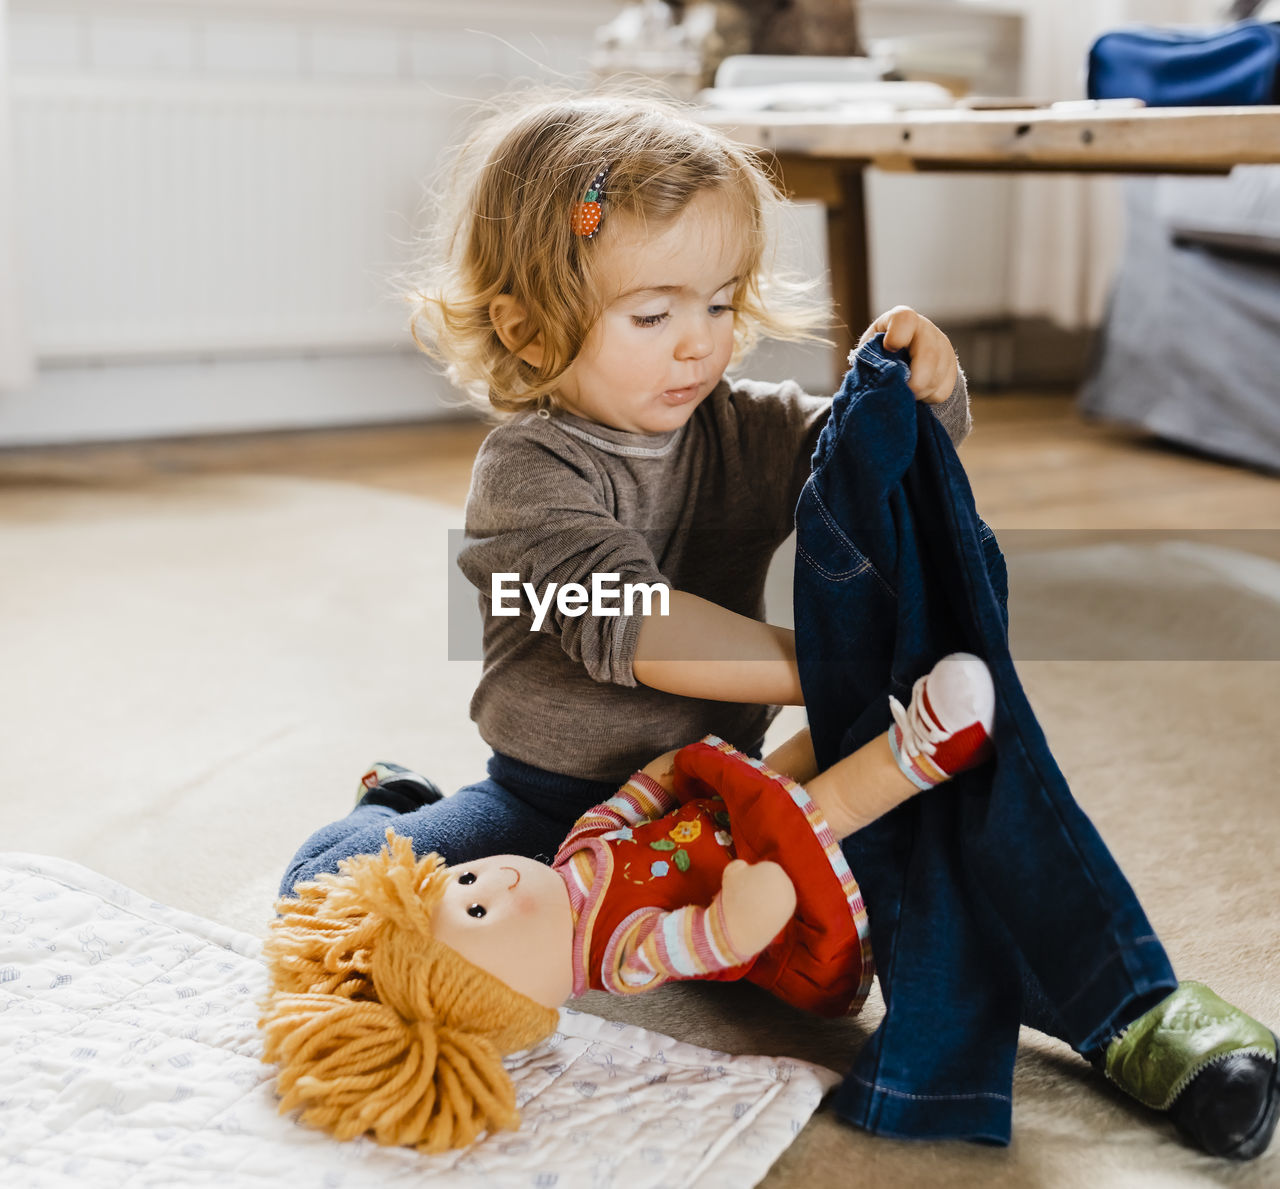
947	727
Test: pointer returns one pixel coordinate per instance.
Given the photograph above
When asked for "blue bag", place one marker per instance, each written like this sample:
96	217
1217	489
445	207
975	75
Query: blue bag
1178	68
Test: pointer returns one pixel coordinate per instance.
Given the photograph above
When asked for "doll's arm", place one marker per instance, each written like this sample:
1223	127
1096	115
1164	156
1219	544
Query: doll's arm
652	947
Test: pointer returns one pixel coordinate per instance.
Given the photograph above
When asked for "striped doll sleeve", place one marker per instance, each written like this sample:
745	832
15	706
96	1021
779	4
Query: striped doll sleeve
641	799
652	947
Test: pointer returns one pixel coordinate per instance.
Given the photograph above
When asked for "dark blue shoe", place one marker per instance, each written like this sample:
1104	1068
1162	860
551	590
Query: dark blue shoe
396	787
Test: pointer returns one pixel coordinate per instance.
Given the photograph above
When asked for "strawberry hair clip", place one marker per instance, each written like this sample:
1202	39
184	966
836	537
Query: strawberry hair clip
585	216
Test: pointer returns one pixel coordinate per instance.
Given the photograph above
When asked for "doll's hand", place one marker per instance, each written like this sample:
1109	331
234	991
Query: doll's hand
758	900
934	367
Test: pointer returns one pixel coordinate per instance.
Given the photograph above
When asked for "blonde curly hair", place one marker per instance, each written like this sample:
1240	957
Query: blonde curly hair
502	226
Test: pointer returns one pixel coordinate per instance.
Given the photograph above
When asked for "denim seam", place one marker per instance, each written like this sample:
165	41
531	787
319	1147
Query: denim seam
872	355
879	1089
830	522
862	569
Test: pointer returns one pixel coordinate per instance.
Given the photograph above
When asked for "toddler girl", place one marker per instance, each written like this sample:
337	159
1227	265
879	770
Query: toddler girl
601	263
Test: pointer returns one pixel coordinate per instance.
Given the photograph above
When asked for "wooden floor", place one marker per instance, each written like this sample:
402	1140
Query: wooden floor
1034	464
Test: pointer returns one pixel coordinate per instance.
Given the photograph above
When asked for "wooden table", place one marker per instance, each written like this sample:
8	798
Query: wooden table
823	156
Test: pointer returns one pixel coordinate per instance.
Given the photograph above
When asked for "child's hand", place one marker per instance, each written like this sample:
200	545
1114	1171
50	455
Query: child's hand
933	360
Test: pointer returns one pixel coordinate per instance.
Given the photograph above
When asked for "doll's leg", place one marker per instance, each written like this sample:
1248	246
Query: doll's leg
945	730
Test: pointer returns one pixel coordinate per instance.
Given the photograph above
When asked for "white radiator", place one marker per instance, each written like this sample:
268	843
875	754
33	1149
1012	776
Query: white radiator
164	218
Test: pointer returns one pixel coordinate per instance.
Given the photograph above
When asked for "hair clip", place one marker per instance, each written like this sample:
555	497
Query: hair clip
585	216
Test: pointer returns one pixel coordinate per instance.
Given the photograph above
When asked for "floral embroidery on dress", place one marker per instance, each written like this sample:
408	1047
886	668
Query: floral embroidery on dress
685	831
692	841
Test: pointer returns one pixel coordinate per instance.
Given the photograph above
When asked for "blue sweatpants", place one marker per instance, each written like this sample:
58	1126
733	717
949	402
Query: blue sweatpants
518	810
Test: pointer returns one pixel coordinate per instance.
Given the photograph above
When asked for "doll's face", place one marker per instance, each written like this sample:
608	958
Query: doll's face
511	916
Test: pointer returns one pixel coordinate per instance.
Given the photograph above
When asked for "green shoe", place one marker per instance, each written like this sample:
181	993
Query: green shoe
1210	1066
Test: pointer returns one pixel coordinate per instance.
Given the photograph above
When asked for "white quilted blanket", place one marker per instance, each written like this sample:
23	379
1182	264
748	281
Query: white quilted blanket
129	1057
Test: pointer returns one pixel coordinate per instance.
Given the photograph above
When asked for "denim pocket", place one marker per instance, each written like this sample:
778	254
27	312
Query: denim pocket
824	547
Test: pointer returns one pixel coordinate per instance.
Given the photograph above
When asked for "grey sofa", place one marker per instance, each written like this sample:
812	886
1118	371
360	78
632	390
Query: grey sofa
1190	344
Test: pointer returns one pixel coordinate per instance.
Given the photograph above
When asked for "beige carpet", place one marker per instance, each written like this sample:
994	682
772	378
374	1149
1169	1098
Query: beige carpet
194	673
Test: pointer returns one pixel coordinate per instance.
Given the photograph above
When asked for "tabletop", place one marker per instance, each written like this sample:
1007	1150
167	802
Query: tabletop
1075	139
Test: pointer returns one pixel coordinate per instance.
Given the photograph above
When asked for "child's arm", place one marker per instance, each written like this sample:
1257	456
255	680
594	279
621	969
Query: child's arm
701	650
795	758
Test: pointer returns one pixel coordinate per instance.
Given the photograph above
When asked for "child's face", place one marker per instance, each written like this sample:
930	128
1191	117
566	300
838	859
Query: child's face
511	916
666	333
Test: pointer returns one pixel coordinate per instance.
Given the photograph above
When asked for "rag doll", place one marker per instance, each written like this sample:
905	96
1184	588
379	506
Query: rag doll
399	984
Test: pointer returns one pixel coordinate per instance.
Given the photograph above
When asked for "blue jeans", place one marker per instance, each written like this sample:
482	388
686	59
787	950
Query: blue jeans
992	899
518	810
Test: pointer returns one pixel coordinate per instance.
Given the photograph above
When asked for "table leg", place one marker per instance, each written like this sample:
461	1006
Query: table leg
849	262
838	184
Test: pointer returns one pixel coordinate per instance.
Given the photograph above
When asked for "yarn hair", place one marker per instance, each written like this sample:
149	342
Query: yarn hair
377	1027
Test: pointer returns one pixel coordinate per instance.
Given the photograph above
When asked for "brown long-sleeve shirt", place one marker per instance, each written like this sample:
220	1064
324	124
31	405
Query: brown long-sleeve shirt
702	508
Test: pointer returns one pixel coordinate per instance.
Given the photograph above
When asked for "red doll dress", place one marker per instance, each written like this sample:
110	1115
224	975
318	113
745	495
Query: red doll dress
822	959
727	806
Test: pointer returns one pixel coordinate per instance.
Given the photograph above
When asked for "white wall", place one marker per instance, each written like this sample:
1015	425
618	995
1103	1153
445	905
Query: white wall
295	320
17	361
938	242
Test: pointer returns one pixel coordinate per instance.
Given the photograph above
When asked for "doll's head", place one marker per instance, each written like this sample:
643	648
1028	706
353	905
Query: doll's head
375	1023
519	286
